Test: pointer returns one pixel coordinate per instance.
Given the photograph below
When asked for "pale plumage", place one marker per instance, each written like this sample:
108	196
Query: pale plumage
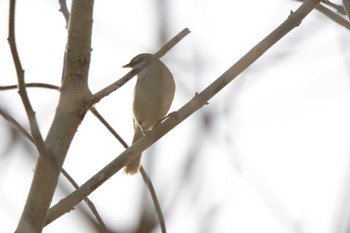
153	94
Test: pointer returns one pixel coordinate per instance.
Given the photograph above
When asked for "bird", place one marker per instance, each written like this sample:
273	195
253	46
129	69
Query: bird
153	95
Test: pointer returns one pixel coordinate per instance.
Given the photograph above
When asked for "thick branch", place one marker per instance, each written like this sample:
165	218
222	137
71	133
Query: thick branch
69	114
174	119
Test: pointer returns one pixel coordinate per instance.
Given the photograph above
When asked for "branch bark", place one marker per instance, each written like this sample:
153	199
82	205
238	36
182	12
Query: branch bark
69	114
68	203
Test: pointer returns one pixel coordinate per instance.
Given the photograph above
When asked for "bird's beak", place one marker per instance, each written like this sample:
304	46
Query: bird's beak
129	65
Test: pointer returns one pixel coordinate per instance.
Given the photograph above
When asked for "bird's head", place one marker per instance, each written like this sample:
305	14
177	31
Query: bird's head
139	60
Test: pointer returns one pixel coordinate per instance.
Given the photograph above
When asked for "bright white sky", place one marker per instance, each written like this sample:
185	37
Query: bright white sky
276	155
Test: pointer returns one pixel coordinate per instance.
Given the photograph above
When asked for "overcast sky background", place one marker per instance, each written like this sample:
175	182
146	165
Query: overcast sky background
270	153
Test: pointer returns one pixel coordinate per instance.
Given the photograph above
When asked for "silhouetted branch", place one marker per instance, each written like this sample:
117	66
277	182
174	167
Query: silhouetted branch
331	14
14	123
34	127
42	85
144	175
69	113
92	207
64	10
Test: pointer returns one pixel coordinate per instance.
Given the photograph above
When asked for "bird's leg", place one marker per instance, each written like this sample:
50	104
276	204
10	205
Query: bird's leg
173	115
136	124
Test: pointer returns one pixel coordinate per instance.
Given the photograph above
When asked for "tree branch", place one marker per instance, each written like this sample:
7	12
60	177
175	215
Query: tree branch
153	193
14	123
64	10
175	118
143	172
42	85
34	127
331	14
69	114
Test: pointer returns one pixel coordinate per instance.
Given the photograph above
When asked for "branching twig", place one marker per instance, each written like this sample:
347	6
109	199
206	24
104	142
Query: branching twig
64	10
174	119
14	123
144	175
34	128
110	129
151	190
69	113
42	85
92	207
338	8
88	202
116	85
331	14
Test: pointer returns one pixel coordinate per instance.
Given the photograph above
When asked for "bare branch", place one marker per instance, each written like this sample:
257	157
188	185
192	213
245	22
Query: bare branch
162	51
92	207
339	8
64	10
144	175
68	116
175	118
88	202
151	190
34	127
116	85
346	4
21	129
42	85
331	14
108	126
16	125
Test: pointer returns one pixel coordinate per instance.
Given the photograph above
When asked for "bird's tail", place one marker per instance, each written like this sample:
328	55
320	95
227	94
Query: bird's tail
133	166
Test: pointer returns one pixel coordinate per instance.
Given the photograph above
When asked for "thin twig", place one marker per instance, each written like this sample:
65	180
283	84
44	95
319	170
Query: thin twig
151	190
338	8
34	127
92	207
108	126
14	123
42	85
163	50
116	85
64	10
88	202
175	118
144	175
331	14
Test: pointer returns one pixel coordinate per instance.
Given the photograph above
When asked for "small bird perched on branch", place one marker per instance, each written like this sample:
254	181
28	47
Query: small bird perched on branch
153	94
